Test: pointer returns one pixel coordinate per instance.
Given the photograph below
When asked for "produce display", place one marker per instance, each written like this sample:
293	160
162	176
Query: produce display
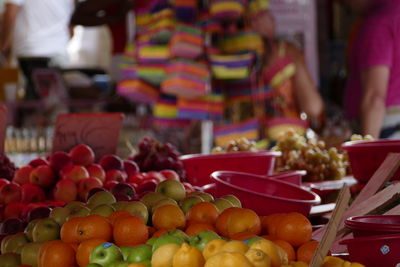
239	145
299	153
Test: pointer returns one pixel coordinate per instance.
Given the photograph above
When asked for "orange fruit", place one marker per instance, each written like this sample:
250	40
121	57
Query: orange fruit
84	250
116	214
287	248
69	230
243	220
56	253
222	221
294	228
203	212
271	222
306	251
168	216
130	231
160	232
242	236
194	228
94	226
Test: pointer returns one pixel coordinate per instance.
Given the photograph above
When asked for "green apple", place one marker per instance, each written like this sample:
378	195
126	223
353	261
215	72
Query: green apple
234	200
29	253
10	260
119	264
126	250
60	214
252	240
151	241
105	254
74	204
137	208
146	262
222	204
140	253
79	212
101	197
45	230
151	198
178	233
166	239
172	188
29	228
189	202
201	239
206	196
163	202
119	205
13	243
103	209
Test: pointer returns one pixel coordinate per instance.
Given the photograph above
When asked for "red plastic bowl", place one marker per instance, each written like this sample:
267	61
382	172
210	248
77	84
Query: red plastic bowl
293	177
264	195
373	251
366	156
373	225
199	167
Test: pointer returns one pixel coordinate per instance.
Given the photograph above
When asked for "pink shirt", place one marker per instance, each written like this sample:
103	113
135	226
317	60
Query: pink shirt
377	44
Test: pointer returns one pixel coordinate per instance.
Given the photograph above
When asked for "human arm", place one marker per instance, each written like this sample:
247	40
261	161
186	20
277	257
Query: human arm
374	85
95	12
9	18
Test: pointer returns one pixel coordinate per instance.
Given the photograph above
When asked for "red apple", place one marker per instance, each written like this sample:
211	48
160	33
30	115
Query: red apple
65	190
134	185
170	175
155	175
76	173
38	213
122	197
14	210
12	226
123	188
21	176
28	207
10	193
3	181
85	185
130	167
59	159
111	162
42	176
109	184
95	170
148	185
82	155
136	178
38	162
115	175
67	168
32	193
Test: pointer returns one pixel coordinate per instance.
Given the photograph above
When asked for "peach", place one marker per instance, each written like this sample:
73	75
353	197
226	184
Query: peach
82	155
42	176
85	185
21	176
59	159
75	173
95	170
65	190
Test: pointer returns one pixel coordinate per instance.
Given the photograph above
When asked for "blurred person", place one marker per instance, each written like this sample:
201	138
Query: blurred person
36	28
283	69
372	93
114	14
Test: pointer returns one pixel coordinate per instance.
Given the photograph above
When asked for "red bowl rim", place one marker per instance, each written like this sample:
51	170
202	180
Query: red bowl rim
315	201
352	223
371	143
260	153
369	238
284	174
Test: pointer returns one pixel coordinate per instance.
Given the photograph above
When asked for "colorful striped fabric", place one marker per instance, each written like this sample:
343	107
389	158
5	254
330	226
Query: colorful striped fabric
154	73
248	129
227	9
187	42
231	66
137	90
242	42
210	106
147	52
185	10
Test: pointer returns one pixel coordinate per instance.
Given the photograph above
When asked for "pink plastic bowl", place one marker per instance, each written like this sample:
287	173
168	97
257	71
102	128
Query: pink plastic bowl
264	195
199	167
373	251
374	225
366	156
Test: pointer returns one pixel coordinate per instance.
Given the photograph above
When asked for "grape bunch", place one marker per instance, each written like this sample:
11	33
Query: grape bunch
238	145
299	153
156	156
358	137
7	168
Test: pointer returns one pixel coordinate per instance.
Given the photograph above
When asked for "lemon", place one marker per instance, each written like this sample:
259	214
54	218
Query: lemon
228	259
258	258
298	264
235	246
269	248
356	264
213	247
163	256
282	255
330	261
188	256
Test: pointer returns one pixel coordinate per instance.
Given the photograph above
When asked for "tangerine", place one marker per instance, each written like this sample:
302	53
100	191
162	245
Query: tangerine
221	223
116	214
84	250
56	253
130	231
69	232
306	251
242	236
168	216
287	248
243	220
294	228
194	228
94	226
203	212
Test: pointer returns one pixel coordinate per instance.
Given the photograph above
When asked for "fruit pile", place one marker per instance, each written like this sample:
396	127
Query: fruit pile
239	145
299	153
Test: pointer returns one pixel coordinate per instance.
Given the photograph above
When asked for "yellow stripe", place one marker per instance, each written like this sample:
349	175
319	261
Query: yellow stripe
283	75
